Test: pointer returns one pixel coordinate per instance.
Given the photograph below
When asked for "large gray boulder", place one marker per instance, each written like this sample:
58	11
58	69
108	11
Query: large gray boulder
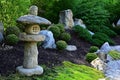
49	41
66	18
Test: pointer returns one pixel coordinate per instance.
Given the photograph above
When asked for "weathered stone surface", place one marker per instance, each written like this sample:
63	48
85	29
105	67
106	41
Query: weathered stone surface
26	37
98	64
113	70
1	28
32	19
49	41
66	18
117	48
105	48
71	48
30	55
118	23
102	56
38	70
1	37
79	22
33	10
32	29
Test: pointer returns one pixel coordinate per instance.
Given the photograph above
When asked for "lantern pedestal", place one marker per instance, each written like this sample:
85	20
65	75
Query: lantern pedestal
38	70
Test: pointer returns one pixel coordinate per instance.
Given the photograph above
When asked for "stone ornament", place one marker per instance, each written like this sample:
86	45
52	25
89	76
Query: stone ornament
31	37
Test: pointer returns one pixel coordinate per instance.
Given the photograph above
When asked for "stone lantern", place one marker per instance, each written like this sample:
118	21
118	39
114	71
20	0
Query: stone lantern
31	37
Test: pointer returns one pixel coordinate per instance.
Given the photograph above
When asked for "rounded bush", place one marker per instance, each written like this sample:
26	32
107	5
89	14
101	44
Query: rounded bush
65	36
90	57
93	49
13	30
56	31
61	45
61	27
12	39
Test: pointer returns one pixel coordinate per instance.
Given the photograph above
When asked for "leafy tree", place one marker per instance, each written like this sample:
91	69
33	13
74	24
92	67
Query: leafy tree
10	10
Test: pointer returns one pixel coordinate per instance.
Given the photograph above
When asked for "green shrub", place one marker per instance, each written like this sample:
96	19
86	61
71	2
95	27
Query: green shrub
108	31
13	30
65	36
93	49
90	57
103	37
94	28
55	30
11	39
61	45
97	42
115	55
83	33
61	27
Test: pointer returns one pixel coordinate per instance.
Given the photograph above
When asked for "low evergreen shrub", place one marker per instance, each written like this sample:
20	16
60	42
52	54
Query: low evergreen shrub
93	49
103	37
90	57
65	36
11	39
12	30
61	45
55	30
83	33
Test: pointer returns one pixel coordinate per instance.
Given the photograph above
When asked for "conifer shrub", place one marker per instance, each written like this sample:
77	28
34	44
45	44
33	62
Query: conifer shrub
12	30
65	36
90	57
82	33
103	37
55	30
11	39
61	45
93	49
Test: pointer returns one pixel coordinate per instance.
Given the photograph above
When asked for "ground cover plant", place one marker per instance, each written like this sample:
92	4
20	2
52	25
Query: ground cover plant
115	55
67	71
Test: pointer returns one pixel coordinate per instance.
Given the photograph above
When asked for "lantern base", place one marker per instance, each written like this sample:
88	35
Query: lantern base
29	72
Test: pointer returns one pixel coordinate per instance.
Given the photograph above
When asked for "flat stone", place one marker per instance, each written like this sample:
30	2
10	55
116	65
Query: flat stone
32	19
29	72
26	37
71	48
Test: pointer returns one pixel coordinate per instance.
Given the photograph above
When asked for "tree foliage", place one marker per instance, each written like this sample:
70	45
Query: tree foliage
10	10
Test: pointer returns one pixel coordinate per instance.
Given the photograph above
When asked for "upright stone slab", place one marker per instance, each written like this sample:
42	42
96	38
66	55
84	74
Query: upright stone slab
31	37
66	18
1	28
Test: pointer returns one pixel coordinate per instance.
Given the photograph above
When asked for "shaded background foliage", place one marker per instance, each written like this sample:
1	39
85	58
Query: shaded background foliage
95	13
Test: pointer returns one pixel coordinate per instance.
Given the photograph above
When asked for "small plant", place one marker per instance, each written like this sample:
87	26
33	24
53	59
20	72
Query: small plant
65	36
61	45
55	30
13	30
90	57
61	27
93	49
83	33
12	39
115	55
